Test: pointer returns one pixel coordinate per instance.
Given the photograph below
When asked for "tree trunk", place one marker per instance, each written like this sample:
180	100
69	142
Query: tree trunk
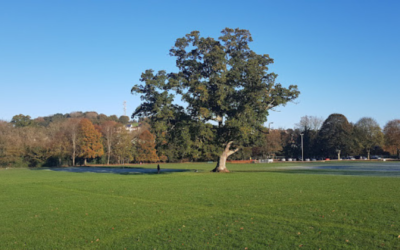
368	153
73	157
109	140
73	150
108	155
84	164
221	165
338	154
74	135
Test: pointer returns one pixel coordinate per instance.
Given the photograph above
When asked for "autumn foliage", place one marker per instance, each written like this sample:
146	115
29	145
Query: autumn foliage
73	139
67	140
145	148
91	145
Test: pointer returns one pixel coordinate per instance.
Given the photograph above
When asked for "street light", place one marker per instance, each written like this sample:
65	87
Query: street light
269	130
269	126
302	150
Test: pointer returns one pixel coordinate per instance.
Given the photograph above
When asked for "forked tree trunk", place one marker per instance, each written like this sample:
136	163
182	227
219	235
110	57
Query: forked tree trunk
221	165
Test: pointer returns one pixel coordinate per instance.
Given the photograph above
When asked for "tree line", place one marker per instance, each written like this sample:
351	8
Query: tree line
334	137
73	139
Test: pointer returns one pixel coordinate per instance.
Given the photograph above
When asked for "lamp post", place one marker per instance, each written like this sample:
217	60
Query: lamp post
269	126
302	150
269	129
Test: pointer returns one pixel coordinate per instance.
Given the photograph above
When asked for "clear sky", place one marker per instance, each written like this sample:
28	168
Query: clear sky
80	55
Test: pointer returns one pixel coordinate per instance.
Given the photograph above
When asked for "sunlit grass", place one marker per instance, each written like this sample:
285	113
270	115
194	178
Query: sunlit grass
44	209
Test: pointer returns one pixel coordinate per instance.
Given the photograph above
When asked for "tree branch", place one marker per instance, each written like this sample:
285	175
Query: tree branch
231	152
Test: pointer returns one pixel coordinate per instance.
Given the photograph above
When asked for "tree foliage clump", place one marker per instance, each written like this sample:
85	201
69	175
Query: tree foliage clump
335	135
225	86
22	120
392	136
145	148
123	147
272	144
368	134
11	144
91	145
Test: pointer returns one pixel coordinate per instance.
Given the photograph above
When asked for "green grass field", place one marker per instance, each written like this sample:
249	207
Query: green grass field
262	207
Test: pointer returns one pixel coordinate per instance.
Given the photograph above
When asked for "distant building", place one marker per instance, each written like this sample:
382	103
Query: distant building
131	128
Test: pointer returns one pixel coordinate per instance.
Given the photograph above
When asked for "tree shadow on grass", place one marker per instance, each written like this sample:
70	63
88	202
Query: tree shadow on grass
114	170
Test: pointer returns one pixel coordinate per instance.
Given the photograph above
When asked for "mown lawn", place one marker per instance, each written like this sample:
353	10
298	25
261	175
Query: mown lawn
44	209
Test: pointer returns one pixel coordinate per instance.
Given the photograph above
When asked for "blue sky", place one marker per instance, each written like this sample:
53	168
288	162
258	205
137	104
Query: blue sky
63	56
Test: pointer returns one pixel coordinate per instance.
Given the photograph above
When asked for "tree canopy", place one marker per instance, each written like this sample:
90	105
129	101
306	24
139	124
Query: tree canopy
392	135
91	145
335	135
368	134
21	120
223	83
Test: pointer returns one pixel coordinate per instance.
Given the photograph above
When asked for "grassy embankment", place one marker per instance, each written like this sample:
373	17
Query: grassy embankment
43	209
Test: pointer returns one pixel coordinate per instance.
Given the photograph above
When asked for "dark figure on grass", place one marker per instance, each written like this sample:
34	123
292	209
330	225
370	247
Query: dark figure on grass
158	168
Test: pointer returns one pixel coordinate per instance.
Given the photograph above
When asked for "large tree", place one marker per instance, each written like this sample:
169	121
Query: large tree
72	133
90	140
11	144
223	83
123	148
310	123
108	130
272	144
392	135
145	148
309	126
368	134
335	135
36	145
21	120
123	119
59	141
